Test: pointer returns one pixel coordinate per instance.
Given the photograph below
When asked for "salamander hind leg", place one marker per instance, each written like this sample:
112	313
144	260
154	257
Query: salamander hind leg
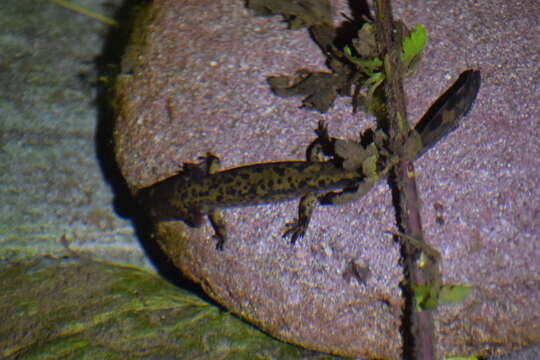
210	164
216	219
298	228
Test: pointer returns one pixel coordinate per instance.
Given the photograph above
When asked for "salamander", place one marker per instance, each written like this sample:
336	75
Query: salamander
199	188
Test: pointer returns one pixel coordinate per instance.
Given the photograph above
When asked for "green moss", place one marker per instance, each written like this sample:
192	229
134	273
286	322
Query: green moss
65	310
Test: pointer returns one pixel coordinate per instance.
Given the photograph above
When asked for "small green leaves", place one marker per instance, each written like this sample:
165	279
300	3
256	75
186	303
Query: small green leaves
428	297
353	153
453	294
366	65
411	50
356	156
413	44
364	56
425	297
369	166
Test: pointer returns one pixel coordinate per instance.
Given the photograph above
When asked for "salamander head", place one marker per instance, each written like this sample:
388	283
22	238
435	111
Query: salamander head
161	207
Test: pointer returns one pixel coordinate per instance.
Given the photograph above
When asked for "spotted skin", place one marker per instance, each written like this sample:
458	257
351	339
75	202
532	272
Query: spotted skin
444	114
200	189
187	197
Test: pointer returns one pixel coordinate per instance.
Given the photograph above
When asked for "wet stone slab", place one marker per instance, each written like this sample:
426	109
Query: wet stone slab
194	80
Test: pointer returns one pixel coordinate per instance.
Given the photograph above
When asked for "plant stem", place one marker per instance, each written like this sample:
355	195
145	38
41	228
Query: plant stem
418	329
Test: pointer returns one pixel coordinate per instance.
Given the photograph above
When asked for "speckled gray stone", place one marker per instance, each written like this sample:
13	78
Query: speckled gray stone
196	83
51	181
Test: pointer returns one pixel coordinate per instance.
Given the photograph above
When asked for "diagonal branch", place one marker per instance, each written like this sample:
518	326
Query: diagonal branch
418	329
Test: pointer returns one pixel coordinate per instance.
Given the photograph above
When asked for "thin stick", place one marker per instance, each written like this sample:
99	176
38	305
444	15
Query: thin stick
418	329
86	12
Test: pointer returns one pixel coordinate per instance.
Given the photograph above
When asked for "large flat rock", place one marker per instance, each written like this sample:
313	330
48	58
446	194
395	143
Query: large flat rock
195	81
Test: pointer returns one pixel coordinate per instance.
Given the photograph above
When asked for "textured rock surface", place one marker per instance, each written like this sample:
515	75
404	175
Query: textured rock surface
195	82
51	180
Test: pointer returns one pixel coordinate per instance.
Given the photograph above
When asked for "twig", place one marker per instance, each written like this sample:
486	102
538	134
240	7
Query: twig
419	245
418	329
86	12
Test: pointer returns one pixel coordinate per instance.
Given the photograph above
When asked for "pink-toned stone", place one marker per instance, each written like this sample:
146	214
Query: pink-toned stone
195	82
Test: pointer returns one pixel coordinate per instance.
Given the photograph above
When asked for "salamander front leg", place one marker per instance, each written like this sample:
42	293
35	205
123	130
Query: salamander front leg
317	151
297	229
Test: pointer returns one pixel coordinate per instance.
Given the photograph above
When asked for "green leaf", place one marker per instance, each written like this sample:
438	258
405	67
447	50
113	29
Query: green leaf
413	44
369	166
452	294
368	65
373	83
428	297
425	297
